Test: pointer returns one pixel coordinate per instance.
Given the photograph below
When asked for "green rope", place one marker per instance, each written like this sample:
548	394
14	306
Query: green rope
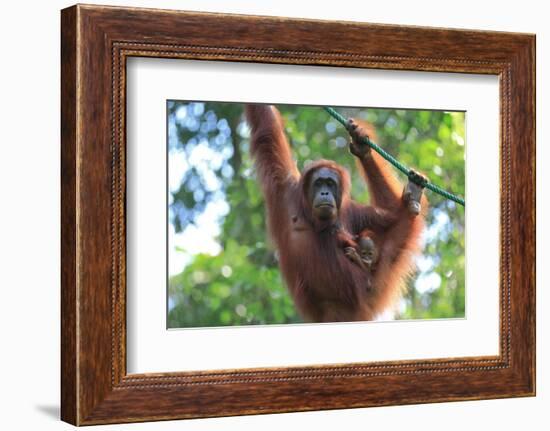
411	174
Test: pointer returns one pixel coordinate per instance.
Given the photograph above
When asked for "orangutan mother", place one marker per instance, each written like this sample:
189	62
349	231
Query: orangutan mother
308	212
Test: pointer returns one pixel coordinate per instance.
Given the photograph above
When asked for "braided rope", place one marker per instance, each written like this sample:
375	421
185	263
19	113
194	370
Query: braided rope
410	173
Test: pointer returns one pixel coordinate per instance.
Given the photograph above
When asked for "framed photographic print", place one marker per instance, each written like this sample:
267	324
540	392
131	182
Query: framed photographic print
324	214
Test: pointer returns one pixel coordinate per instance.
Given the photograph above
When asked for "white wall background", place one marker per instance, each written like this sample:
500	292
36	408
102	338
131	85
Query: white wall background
29	224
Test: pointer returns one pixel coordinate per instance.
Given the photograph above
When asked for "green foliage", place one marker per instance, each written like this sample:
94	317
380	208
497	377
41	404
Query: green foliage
229	289
242	284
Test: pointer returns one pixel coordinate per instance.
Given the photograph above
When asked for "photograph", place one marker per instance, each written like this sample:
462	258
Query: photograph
299	214
273	205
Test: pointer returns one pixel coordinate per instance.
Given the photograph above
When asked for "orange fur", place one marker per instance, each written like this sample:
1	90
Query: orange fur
325	285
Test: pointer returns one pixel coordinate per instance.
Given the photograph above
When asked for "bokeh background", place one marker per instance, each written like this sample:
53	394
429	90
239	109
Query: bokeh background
222	268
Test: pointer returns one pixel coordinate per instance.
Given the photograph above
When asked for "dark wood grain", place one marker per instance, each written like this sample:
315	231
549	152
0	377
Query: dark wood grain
68	218
96	41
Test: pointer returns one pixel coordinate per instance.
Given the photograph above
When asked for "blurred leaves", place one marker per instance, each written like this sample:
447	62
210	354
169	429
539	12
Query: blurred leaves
229	289
241	283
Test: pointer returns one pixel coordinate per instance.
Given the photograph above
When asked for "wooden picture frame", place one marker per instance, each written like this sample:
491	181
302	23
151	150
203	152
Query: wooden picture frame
95	43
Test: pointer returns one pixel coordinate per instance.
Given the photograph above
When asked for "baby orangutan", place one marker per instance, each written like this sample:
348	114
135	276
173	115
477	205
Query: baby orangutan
360	249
